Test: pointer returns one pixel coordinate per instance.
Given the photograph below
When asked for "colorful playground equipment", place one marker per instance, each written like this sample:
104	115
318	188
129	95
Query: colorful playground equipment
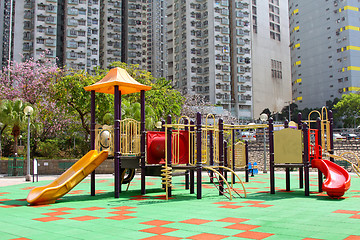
68	180
304	148
185	146
190	146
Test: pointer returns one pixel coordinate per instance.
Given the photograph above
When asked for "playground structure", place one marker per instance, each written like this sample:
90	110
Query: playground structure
185	145
126	143
305	147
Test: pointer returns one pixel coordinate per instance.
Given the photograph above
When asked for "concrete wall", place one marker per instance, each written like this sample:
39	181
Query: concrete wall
53	166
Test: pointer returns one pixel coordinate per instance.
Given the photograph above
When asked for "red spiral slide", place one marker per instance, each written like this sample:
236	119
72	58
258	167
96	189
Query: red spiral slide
337	178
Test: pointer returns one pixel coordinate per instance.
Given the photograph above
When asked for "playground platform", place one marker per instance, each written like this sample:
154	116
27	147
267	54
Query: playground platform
284	215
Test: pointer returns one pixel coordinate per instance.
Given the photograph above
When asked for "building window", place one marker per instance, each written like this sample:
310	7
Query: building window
276	69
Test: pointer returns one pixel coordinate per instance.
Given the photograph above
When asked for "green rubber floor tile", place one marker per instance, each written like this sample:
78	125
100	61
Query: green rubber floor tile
181	234
284	237
6	236
330	236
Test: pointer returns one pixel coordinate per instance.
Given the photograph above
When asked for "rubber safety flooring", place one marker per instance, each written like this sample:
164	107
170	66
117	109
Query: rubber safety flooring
261	215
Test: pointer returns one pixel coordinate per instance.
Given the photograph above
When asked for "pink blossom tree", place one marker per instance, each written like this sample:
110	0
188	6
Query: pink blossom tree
33	82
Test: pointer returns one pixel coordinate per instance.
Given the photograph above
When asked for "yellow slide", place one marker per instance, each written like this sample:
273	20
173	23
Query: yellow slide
68	180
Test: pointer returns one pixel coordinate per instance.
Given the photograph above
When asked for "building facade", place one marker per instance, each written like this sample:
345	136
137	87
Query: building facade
203	37
84	34
65	31
325	50
5	31
235	53
156	54
271	71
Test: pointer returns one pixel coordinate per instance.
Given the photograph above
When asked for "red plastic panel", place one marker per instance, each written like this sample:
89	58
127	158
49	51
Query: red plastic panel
156	146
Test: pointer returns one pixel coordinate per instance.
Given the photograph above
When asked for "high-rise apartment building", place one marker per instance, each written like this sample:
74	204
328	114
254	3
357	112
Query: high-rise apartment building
209	52
156	51
66	31
270	55
5	31
235	53
83	34
325	50
111	46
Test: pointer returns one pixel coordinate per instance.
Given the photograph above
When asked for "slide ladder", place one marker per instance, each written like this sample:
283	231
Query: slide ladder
222	184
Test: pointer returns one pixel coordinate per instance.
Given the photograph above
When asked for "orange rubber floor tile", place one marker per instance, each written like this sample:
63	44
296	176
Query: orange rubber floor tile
231	206
241	226
92	208
253	202
84	218
48	219
161	237
207	236
63	209
233	220
346	211
311	239
122	212
120	217
52	214
261	205
253	235
157	222
195	221
76	192
224	203
158	230
353	237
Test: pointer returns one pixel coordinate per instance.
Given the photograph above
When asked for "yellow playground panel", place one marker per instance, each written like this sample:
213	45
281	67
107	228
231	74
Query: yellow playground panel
129	138
288	146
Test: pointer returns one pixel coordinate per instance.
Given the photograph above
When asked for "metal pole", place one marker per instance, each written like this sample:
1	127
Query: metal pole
271	148
169	153
289	112
28	176
143	140
198	156
92	140
221	154
264	170
306	159
117	165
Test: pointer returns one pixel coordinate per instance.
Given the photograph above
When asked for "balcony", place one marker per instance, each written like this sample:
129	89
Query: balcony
74	2
50	42
50	20
28	5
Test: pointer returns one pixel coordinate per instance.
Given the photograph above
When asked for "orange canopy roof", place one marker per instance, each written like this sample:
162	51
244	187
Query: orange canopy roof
117	77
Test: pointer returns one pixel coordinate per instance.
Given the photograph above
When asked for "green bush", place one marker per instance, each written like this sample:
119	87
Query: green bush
49	149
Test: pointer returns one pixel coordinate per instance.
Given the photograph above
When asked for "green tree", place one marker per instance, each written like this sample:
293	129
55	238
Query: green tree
348	109
133	110
163	98
70	93
12	114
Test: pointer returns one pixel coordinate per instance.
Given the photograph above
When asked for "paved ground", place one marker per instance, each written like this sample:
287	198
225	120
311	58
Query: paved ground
285	215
